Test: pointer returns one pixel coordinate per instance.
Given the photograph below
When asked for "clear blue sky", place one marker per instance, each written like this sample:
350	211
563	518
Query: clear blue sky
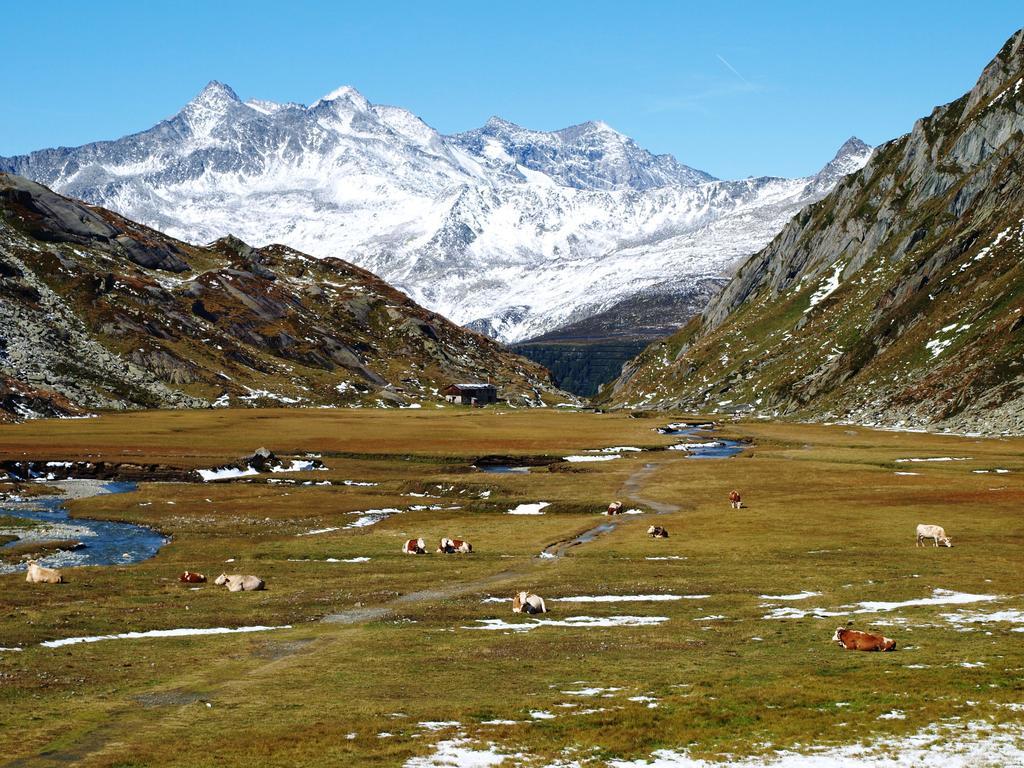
734	88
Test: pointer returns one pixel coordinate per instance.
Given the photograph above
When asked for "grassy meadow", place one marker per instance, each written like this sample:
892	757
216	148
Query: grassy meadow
386	657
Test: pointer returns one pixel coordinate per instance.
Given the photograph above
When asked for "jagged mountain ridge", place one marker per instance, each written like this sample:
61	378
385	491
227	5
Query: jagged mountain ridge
510	231
97	311
897	300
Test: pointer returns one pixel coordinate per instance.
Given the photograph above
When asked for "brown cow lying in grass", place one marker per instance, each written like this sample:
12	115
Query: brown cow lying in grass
37	574
236	582
525	602
451	546
657	532
415	547
855	640
191	577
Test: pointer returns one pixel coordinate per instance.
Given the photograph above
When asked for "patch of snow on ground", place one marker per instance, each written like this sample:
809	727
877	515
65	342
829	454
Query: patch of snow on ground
949	745
459	754
625	598
939	597
1011	616
530	509
938	458
798	596
371	517
591	691
606	457
828	286
225	473
159	633
572	622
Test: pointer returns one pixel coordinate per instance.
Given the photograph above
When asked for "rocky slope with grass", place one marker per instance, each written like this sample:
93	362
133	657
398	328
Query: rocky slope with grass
97	311
898	299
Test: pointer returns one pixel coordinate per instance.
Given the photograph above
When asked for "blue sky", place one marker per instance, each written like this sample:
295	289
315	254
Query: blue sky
733	88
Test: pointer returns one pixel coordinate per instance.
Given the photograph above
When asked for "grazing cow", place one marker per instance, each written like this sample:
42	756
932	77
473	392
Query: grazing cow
735	500
855	640
37	574
415	547
657	532
933	532
191	577
451	546
525	602
615	508
236	582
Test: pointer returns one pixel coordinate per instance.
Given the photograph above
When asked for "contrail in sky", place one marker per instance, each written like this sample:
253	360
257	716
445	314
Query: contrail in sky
733	69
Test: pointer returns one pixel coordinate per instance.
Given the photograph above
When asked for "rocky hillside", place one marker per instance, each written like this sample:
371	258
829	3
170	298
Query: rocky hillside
99	312
510	231
898	299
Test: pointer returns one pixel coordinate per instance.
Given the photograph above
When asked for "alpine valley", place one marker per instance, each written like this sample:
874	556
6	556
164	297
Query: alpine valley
97	311
515	233
896	300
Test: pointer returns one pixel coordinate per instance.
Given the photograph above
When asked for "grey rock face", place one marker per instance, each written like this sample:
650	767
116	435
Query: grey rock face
896	299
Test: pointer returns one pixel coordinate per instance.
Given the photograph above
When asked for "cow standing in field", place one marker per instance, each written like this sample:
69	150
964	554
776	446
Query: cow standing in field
935	533
415	547
855	640
191	577
525	602
236	582
615	508
657	532
453	546
37	574
735	500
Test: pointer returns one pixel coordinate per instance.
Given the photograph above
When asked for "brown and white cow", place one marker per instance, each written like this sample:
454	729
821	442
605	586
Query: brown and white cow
191	577
415	547
452	546
236	582
657	532
526	602
615	508
934	532
37	574
855	640
735	500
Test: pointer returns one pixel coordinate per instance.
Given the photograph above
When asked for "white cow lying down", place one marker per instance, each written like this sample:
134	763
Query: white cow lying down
37	574
933	532
526	602
236	582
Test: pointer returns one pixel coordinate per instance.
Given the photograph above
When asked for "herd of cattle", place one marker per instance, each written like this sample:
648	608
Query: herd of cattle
446	546
527	602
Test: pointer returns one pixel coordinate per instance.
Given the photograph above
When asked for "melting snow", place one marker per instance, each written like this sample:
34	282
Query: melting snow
939	458
225	473
458	753
798	596
827	288
949	745
572	621
626	598
608	457
159	633
530	509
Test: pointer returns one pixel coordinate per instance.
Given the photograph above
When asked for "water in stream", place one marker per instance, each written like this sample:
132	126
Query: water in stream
106	542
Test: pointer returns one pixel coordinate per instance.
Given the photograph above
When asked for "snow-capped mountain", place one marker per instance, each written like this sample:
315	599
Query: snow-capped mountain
511	231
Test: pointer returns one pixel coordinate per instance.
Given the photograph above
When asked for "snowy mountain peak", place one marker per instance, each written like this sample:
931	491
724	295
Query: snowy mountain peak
510	229
215	93
346	95
851	156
